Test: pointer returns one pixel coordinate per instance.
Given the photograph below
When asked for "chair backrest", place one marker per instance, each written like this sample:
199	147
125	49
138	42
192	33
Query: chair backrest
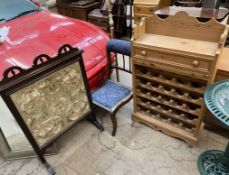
120	48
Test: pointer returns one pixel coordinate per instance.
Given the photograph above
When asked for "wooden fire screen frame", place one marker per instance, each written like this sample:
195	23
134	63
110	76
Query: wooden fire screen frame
49	98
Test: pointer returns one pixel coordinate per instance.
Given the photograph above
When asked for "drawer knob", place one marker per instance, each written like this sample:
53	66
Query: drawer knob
143	53
195	63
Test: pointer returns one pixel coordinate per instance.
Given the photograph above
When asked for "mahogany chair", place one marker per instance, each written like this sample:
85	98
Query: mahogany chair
112	95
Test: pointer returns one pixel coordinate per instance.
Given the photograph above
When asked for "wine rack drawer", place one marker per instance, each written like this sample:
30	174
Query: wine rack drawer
173	69
174	62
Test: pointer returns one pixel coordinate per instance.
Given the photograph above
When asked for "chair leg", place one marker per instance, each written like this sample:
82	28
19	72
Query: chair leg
113	115
114	122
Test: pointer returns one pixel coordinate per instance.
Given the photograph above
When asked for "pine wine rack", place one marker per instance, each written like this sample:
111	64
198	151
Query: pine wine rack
174	60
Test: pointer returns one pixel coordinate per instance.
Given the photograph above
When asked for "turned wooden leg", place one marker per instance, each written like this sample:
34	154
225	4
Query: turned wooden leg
113	115
114	122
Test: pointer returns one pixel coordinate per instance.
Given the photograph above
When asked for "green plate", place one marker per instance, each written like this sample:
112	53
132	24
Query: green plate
217	100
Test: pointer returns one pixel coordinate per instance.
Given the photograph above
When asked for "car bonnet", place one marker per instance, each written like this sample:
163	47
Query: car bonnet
44	33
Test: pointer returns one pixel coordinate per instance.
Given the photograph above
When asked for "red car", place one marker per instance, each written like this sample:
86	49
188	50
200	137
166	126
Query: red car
33	31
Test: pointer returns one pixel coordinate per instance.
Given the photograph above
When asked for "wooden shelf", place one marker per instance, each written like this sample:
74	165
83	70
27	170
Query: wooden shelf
172	116
178	44
180	108
169	94
170	83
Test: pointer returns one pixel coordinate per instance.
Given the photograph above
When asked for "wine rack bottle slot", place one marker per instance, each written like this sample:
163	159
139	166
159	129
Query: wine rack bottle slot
168	101
164	118
164	110
171	93
190	85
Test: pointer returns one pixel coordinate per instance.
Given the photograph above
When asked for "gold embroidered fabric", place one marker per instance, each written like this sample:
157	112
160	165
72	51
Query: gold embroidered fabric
53	103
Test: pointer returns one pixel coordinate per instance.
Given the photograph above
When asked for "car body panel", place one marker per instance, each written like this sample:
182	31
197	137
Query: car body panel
45	32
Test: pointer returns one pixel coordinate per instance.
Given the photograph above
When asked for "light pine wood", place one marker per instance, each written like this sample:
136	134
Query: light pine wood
223	65
146	8
172	57
186	27
179	44
146	2
174	60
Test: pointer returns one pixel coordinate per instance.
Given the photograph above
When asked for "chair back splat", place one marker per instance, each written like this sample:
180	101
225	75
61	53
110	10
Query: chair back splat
122	48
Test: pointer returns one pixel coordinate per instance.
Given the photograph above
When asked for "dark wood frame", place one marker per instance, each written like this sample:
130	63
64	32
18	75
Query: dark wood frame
43	66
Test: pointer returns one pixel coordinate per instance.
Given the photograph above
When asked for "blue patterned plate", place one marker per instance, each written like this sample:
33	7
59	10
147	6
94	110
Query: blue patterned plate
217	100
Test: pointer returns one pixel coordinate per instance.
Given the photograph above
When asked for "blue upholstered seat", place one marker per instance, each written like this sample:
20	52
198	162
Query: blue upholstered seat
110	95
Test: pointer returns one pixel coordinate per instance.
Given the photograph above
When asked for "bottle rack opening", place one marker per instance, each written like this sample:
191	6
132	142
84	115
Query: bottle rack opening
169	98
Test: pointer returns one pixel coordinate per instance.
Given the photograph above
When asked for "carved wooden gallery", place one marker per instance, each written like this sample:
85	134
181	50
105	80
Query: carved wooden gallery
104	87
